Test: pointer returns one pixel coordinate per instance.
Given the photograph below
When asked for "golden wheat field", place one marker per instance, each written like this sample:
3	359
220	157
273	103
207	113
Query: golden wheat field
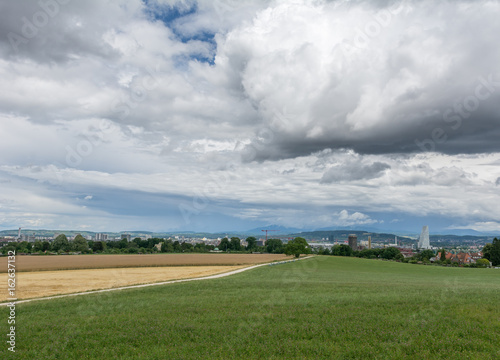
73	262
46	283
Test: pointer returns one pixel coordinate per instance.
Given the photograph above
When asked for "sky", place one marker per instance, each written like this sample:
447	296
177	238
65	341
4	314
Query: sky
166	115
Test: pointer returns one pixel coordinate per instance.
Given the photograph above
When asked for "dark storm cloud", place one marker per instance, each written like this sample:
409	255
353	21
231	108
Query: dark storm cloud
353	172
406	77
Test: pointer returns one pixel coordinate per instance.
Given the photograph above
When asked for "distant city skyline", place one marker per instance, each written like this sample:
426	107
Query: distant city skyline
231	115
282	231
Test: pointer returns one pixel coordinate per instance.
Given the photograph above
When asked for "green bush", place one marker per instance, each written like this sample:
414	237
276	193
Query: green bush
482	263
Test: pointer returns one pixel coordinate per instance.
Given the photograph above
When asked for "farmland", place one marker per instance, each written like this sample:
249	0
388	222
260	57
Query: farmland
319	308
73	262
36	284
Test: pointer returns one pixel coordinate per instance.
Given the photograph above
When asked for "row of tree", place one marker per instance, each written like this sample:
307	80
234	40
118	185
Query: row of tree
390	253
491	252
80	244
296	247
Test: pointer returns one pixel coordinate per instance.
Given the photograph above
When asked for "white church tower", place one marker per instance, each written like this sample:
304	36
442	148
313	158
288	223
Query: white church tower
423	241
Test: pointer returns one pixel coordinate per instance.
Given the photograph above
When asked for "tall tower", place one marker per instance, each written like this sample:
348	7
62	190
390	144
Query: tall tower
423	241
369	242
19	234
353	242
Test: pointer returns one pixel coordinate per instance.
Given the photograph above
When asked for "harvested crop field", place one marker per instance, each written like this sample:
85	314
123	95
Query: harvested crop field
73	262
47	283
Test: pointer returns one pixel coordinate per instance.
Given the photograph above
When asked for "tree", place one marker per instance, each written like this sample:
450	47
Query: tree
341	250
98	246
235	244
123	243
177	246
495	252
443	255
487	251
45	246
390	253
370	253
38	246
133	250
224	244
167	246
297	246
187	247
7	248
323	251
426	254
23	247
79	243
200	247
274	246
61	243
399	257
251	243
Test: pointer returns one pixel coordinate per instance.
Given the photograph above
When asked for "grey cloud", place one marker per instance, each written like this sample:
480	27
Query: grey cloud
424	174
430	81
55	31
275	84
497	182
354	171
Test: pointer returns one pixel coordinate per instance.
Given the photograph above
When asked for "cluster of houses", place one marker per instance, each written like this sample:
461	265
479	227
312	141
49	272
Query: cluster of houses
461	257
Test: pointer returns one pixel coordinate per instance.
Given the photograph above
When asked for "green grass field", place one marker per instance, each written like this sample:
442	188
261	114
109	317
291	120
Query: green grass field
320	308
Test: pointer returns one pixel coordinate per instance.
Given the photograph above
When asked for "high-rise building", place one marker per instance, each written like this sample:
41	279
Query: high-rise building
101	237
126	236
423	241
369	242
353	242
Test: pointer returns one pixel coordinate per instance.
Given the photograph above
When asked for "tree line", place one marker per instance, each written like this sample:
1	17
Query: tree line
491	252
390	253
79	244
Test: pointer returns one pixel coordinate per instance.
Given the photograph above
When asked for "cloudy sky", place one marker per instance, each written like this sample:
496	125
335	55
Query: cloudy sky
167	115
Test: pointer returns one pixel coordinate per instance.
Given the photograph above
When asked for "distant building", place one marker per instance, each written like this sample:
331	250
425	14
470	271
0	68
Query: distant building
261	242
101	237
423	241
476	256
28	238
407	253
461	258
353	242
125	236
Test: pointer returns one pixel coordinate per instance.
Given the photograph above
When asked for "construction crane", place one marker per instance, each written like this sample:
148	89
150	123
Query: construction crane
267	231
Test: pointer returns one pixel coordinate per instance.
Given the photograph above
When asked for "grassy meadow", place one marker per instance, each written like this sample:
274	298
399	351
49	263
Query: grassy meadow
319	308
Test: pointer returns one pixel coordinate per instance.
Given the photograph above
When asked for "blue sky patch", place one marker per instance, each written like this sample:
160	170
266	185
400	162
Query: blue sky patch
170	14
